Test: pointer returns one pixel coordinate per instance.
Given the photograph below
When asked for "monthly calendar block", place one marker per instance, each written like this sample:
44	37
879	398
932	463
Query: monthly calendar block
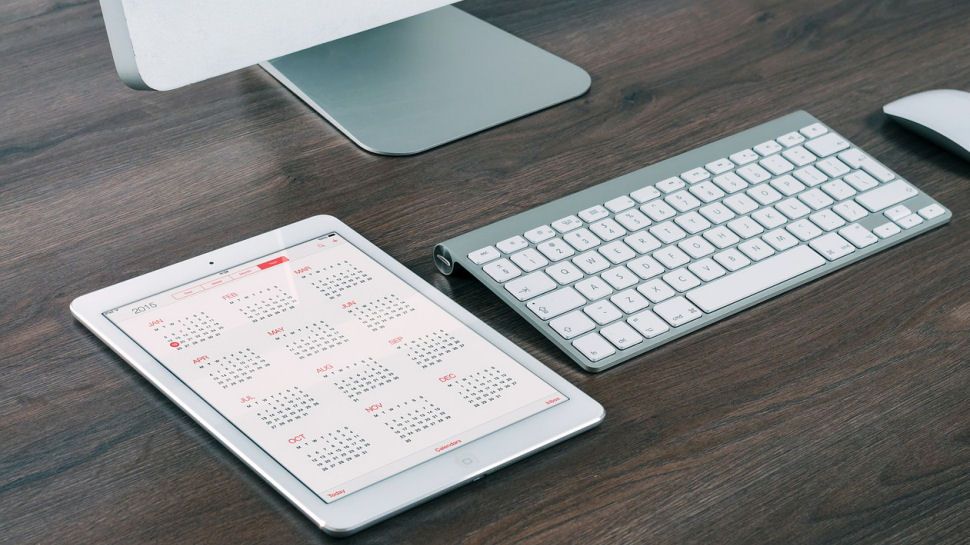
334	448
311	339
482	386
408	418
334	279
190	330
360	377
234	368
431	349
376	313
283	407
264	303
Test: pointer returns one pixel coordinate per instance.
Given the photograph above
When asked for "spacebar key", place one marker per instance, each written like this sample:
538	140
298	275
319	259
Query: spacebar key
756	278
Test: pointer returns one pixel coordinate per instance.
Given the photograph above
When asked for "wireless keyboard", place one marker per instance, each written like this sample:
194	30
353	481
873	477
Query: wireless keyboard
620	268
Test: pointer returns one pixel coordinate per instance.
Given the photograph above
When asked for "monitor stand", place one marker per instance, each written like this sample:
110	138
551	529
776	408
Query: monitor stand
421	82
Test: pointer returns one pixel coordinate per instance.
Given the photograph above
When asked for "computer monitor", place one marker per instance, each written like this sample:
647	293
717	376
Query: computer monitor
398	77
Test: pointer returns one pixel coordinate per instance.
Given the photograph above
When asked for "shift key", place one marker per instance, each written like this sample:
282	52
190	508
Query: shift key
553	304
886	196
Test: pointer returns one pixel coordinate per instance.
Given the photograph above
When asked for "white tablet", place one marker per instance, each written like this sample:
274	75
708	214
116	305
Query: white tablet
348	383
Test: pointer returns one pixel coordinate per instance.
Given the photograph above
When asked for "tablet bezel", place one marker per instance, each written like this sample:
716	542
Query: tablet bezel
388	496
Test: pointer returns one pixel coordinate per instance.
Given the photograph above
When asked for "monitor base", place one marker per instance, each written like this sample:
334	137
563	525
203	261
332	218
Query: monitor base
418	83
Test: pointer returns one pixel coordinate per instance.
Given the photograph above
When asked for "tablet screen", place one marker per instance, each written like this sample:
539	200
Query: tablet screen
337	368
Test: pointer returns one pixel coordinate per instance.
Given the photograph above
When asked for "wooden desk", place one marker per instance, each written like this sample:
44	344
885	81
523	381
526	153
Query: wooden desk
835	414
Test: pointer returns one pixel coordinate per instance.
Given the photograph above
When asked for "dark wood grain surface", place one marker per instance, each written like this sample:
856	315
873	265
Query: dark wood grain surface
838	413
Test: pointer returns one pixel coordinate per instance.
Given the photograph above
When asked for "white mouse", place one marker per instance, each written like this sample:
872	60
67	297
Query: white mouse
942	115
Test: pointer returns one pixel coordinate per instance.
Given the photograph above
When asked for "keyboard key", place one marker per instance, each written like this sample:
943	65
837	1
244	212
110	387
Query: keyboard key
753	174
603	312
658	210
645	267
745	227
501	270
860	180
696	247
813	130
529	260
886	195
790	139
887	230
719	165
646	194
483	255
706	191
855	158
692	222
593	288
567	224
799	155
591	262
909	221
744	157
754	279
512	244
792	207
657	290
730	182
780	239
670	184
607	229
570	325
832	246
543	232
827	220
707	269
681	279
630	301
620	204
838	189
740	203
717	213
648	324
810	176
776	164
764	194
682	201
756	249
788	185
668	232
621	335
931	211
530	285
897	212
721	236
594	213
555	249
678	311
642	242
832	167
671	257
732	259
632	220
594	347
858	235
827	144
850	210
769	218
804	230
617	252
564	272
558	302
816	198
620	277
768	148
581	239
695	175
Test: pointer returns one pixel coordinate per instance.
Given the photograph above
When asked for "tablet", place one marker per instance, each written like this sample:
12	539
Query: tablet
348	383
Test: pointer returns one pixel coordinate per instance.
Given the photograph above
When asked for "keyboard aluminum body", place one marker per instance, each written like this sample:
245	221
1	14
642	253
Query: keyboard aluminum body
836	205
